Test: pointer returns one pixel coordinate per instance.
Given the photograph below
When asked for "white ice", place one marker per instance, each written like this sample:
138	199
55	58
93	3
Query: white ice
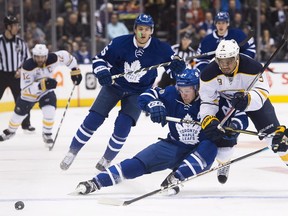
257	185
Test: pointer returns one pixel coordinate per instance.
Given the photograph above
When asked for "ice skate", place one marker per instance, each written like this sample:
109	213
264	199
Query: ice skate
222	174
7	134
67	161
29	130
87	187
170	180
102	164
47	138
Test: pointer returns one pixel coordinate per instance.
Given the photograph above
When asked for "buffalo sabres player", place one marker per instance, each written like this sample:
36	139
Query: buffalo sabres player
223	32
228	76
185	150
37	85
122	55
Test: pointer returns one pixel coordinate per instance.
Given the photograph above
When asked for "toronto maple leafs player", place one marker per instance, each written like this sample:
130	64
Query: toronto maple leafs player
222	31
124	54
37	85
185	150
229	76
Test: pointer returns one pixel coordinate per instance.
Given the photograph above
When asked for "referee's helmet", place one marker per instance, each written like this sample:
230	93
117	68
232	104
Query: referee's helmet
9	20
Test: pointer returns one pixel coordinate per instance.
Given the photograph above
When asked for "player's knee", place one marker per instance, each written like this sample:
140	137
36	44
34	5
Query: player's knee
93	120
123	125
132	168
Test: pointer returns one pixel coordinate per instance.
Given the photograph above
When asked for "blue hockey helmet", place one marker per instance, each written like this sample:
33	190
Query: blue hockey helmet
222	16
144	19
189	77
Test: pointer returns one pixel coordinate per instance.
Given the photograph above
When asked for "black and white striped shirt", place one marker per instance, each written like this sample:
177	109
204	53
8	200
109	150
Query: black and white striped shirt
184	54
13	52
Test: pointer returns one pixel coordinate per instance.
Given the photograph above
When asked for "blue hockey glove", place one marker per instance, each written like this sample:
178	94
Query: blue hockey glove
280	140
240	100
177	66
76	76
47	83
209	126
104	77
157	111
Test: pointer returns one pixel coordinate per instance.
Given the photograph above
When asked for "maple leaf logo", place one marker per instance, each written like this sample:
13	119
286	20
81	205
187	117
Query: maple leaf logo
188	133
133	77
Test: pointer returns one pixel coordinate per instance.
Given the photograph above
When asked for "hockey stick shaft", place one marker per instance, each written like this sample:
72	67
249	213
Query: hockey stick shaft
248	132
242	43
280	46
128	202
142	70
67	105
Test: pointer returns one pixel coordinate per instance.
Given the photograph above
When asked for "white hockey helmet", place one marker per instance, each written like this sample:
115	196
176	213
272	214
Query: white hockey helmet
227	49
40	50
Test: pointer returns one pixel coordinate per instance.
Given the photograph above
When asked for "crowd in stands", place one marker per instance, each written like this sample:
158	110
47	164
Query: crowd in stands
196	18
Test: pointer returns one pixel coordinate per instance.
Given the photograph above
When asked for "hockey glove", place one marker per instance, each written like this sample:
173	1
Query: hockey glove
157	112
209	127
279	141
177	66
47	83
241	100
104	77
76	76
230	135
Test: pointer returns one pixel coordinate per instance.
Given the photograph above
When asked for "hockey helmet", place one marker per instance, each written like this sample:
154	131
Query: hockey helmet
227	49
9	20
40	50
189	77
144	19
222	16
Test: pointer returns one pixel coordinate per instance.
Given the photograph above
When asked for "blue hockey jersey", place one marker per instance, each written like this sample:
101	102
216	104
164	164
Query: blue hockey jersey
211	41
123	55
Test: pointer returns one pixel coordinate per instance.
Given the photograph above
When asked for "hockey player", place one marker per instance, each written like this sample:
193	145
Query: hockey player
229	76
185	150
124	54
222	31
37	85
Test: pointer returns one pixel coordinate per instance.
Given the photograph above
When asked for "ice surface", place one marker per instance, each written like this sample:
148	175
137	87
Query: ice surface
29	172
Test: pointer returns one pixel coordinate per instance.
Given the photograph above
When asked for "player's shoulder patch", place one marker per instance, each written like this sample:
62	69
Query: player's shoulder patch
210	72
52	58
29	64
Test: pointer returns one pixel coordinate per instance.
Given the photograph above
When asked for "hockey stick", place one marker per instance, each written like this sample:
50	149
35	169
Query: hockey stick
248	132
128	202
280	46
67	105
242	43
142	70
276	72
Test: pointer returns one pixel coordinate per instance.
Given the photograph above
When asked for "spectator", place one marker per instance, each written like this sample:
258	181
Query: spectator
83	55
267	45
116	28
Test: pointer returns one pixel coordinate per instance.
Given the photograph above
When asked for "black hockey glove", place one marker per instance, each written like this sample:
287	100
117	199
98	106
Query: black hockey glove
280	140
209	127
240	100
47	83
157	111
76	76
104	77
177	66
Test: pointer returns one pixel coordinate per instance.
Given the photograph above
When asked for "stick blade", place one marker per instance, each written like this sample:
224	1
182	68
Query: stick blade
111	201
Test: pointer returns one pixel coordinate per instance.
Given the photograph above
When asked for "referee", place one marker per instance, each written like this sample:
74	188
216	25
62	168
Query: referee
13	52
